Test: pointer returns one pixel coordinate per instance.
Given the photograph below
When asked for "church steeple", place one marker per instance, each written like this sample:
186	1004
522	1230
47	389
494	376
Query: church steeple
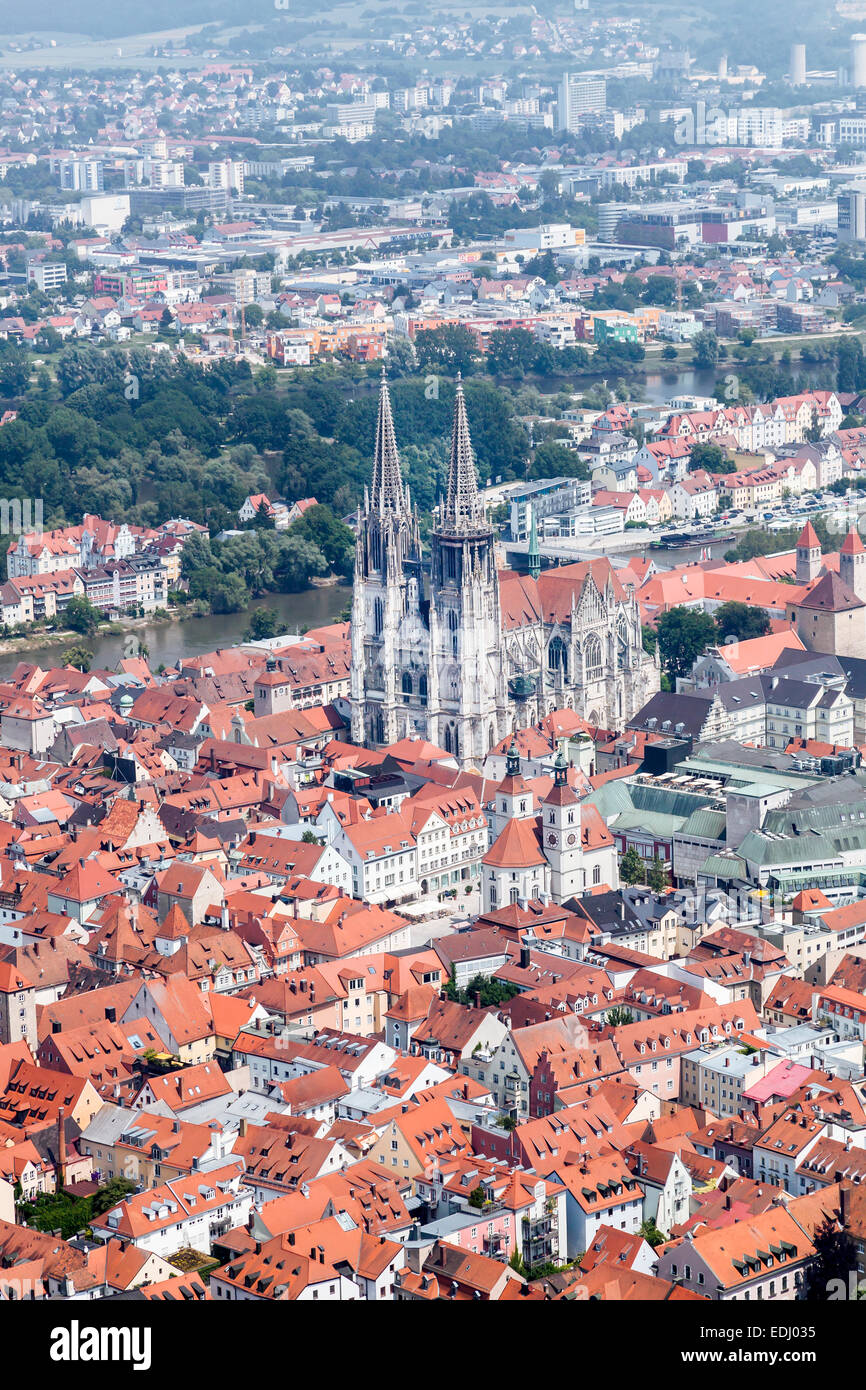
463	510
560	770
386	493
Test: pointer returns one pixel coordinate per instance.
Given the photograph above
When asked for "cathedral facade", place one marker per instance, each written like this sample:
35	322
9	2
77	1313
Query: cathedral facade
461	653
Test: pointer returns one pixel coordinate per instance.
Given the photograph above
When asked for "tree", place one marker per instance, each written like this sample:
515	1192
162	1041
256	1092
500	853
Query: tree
196	554
631	868
834	1259
229	593
815	430
669	353
656	877
741	620
705	346
651	1233
401	356
14	370
510	351
263	519
264	623
649	639
543	265
619	1017
553	460
490	992
851	369
477	1197
683	634
300	560
79	656
110	1194
450	349
80	615
332	536
707	456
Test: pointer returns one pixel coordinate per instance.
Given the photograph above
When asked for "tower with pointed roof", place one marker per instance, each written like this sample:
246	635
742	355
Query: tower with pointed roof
852	564
808	555
561	835
389	637
514	798
468	703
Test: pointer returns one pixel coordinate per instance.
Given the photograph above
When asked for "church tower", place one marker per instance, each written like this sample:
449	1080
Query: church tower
389	637
808	555
467	688
561	837
852	564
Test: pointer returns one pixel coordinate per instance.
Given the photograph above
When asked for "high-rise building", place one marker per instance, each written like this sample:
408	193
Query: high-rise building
851	209
81	175
858	60
579	96
226	173
46	275
609	216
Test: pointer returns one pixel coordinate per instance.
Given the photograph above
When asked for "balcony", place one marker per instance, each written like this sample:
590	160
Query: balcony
496	1246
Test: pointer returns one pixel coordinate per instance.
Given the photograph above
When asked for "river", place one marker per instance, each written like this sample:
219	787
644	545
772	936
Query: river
660	384
167	643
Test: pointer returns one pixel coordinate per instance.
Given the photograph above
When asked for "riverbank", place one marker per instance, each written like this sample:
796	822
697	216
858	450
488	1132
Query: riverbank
173	639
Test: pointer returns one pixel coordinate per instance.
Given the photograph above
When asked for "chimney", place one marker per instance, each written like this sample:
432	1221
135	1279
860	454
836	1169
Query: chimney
111	1013
524	957
478	998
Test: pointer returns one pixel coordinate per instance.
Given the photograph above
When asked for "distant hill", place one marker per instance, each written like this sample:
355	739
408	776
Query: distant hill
124	17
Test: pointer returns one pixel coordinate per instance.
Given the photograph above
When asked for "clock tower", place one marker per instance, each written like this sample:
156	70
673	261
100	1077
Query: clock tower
561	835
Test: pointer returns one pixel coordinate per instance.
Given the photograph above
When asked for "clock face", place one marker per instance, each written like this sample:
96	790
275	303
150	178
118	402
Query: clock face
571	839
551	839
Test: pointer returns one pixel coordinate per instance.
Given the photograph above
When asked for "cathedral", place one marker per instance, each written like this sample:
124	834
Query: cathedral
459	652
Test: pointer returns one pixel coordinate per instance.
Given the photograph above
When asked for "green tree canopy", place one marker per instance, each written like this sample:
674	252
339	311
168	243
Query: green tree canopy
741	620
683	634
80	615
631	869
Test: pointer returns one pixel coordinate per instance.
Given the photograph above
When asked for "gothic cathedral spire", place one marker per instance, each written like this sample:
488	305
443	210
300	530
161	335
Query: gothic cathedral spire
463	509
386	493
